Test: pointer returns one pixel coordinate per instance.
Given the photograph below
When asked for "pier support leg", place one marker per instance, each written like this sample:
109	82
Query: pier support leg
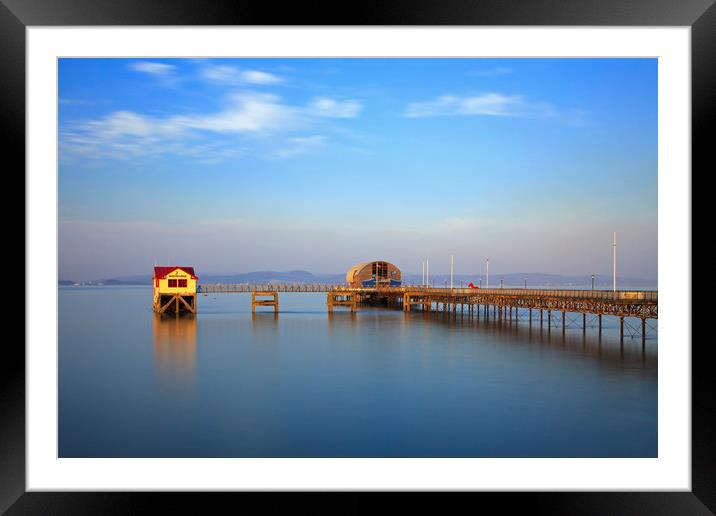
166	306
600	325
584	324
273	302
189	308
549	320
643	331
621	329
563	321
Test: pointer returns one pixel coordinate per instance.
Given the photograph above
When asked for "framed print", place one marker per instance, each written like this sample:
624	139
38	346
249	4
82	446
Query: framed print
413	249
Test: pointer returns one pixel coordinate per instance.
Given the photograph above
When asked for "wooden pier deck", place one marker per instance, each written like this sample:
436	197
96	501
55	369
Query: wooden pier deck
264	298
501	304
228	288
504	304
642	303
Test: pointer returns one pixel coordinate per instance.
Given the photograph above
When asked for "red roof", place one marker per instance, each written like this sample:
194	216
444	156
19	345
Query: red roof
161	272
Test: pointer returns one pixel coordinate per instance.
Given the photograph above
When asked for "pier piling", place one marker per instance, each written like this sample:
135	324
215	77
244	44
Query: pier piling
258	299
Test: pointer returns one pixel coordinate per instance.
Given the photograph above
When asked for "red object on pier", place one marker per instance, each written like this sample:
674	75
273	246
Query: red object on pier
472	285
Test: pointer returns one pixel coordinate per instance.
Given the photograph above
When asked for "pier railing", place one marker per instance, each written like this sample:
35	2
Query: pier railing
649	296
224	288
603	295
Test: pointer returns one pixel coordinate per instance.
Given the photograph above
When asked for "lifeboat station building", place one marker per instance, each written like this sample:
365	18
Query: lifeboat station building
174	289
372	274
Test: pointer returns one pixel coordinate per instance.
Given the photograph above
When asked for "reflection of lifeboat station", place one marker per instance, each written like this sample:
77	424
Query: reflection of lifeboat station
372	274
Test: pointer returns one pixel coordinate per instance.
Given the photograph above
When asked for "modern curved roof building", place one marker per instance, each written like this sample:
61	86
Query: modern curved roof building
370	274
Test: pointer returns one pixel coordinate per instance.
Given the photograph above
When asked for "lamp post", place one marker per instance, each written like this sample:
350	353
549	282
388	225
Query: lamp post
592	281
452	263
487	275
614	288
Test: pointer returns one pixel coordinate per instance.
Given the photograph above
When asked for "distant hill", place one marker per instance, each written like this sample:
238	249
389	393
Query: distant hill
297	276
272	277
534	279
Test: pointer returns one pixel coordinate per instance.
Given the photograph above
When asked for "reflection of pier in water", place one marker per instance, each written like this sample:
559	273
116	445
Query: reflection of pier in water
608	348
175	349
627	306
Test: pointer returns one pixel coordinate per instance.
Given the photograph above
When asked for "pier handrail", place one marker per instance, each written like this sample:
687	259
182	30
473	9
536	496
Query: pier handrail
644	296
607	295
218	288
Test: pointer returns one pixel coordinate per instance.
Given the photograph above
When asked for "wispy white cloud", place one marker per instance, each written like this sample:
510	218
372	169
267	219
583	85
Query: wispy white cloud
331	108
487	104
258	77
302	145
153	68
164	74
232	75
495	104
246	113
128	135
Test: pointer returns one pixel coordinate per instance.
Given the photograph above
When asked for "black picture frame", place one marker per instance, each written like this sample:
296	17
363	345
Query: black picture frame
16	15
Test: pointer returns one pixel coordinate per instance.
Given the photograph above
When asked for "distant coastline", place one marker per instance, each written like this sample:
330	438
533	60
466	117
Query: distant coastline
601	281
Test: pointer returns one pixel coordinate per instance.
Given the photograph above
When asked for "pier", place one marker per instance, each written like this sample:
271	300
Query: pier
536	306
379	284
261	298
228	288
504	304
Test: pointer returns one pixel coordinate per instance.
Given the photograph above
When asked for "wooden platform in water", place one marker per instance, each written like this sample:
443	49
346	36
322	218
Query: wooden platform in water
261	298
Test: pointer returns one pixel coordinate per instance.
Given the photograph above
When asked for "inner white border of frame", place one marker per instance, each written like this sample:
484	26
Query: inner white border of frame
671	470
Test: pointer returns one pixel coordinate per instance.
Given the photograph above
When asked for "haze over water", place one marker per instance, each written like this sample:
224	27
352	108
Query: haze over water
379	383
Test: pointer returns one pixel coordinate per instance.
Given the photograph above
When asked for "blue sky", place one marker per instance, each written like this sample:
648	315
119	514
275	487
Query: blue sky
234	165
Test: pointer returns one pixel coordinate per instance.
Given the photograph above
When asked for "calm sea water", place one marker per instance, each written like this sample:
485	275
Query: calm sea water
380	383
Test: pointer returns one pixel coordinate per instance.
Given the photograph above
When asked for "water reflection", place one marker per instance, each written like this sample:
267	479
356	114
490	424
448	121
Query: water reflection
175	350
265	330
342	318
607	347
378	383
264	318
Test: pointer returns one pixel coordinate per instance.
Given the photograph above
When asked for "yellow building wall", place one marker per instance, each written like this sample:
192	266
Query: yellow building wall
176	274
